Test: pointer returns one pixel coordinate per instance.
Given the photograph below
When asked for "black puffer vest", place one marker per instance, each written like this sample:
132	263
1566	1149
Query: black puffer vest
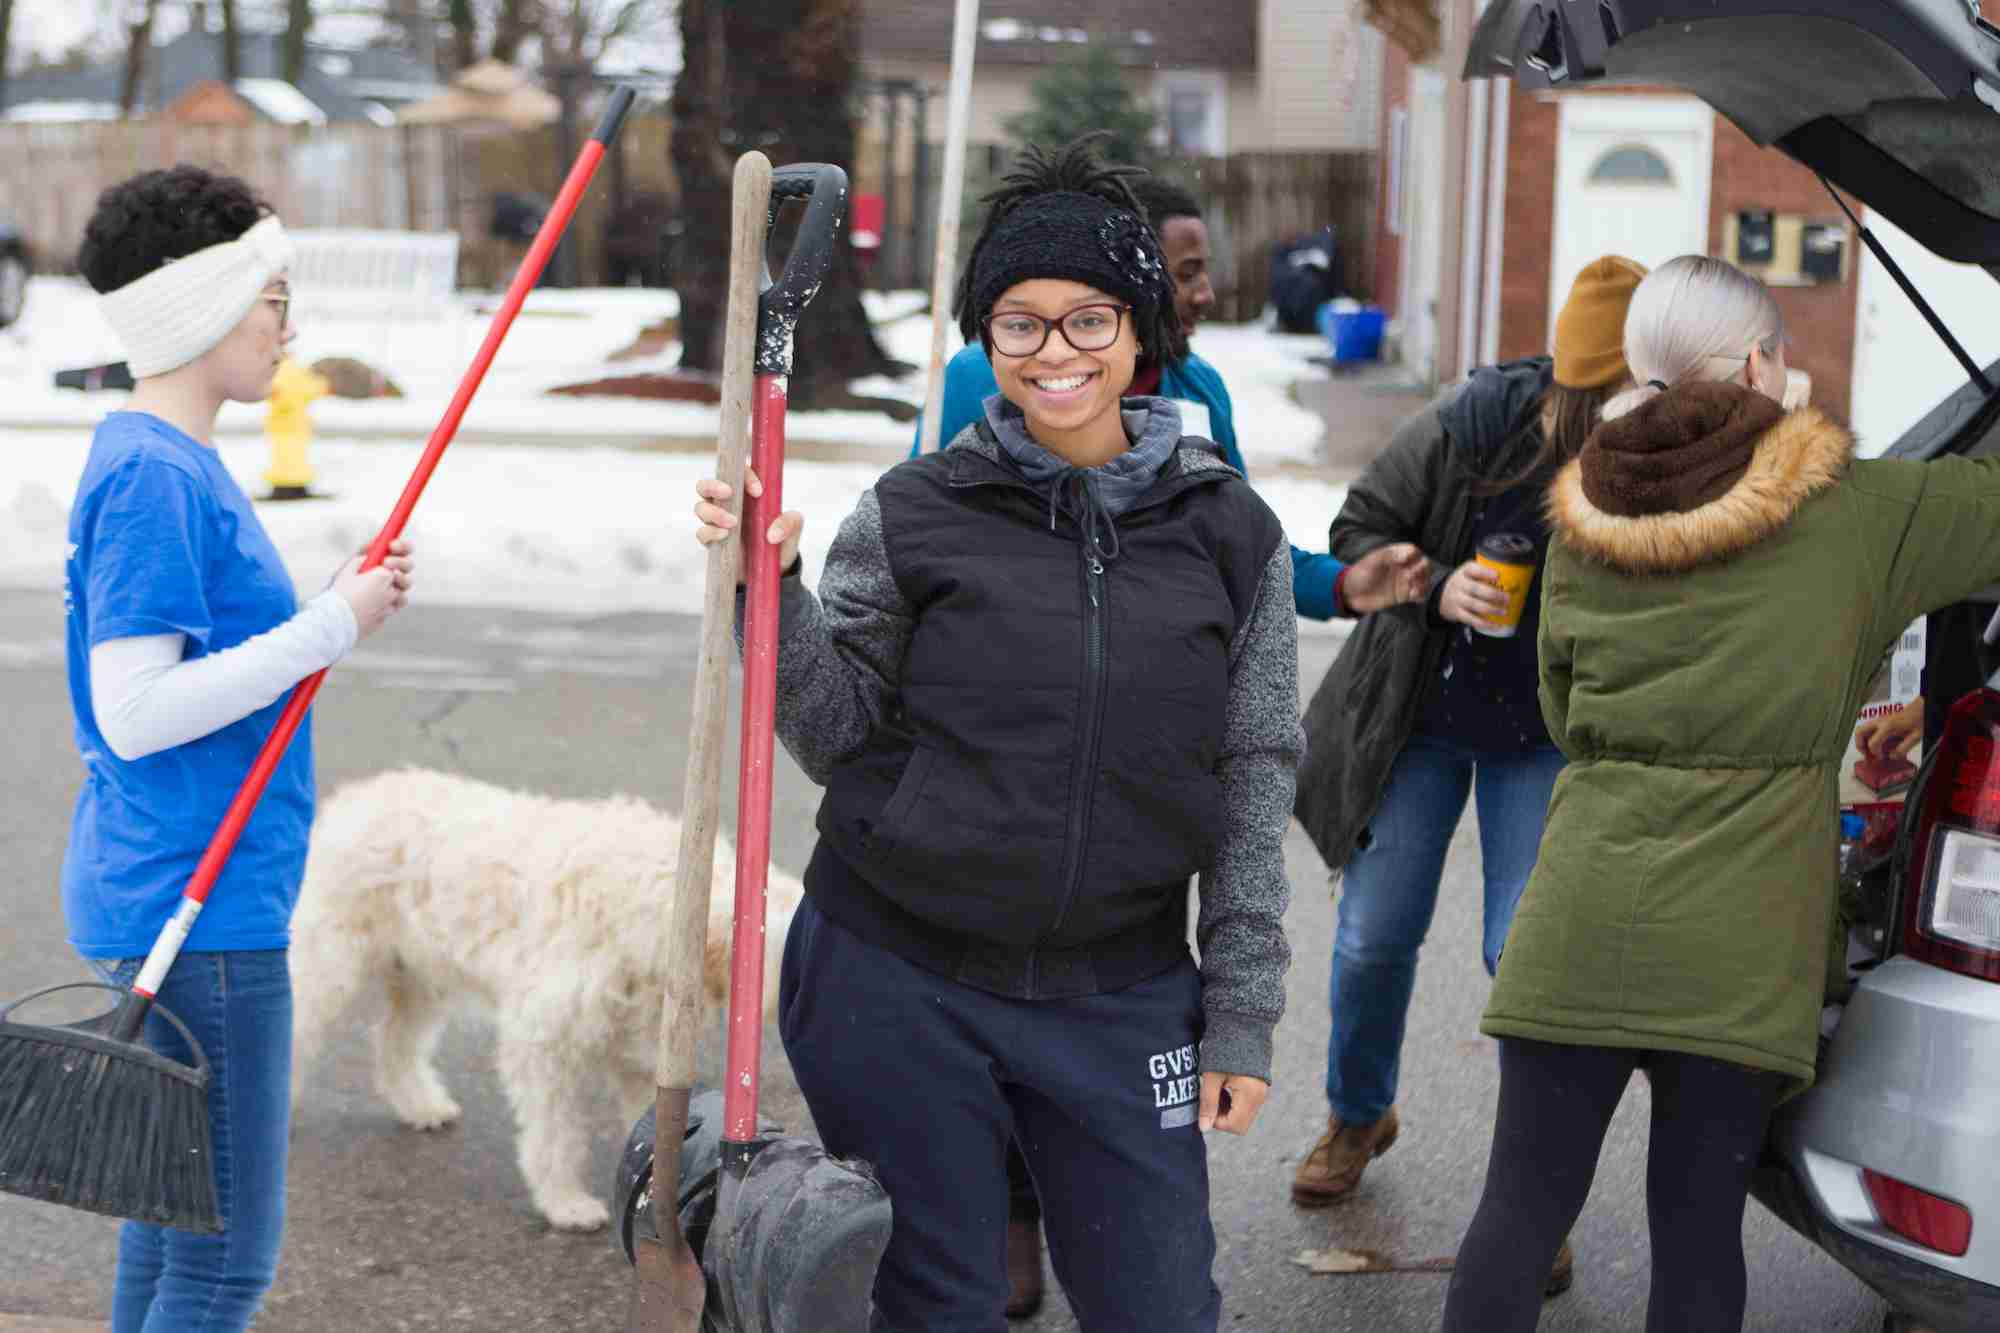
1026	822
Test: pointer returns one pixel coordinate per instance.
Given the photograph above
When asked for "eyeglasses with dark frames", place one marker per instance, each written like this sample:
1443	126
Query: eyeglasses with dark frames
1089	328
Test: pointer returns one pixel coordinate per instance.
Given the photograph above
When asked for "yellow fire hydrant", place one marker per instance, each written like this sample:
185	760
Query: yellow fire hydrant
288	427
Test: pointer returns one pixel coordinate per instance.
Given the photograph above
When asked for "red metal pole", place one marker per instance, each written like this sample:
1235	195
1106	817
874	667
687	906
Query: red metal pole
753	811
525	277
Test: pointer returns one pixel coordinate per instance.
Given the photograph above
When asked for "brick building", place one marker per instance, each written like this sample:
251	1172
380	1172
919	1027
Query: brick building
1492	196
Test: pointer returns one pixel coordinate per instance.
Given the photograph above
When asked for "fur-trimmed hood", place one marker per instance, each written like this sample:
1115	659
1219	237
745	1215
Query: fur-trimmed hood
1803	453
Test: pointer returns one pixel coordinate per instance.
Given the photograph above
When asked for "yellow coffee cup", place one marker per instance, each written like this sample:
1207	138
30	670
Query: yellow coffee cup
1512	557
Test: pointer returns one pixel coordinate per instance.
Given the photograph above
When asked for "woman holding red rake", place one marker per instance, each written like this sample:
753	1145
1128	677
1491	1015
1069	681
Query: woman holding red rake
184	635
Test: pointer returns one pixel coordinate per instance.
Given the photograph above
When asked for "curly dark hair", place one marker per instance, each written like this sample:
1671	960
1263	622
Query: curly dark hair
1074	168
1164	200
157	217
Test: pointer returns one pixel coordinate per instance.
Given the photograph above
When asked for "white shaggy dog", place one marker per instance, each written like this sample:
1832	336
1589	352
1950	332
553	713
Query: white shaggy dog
435	891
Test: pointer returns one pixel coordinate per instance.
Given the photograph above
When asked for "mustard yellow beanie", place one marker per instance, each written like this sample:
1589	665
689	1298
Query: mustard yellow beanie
1590	328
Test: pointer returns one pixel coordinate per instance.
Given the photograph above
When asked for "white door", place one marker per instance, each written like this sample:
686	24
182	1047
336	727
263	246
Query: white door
1632	179
1901	367
1424	197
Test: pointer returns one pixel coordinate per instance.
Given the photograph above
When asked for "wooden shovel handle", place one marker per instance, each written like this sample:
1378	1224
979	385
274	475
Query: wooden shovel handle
687	923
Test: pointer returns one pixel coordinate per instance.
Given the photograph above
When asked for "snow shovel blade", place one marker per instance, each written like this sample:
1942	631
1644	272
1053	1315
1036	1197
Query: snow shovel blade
798	1249
671	1289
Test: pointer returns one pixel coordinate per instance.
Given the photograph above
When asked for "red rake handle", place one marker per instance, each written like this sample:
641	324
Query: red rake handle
209	869
824	188
760	713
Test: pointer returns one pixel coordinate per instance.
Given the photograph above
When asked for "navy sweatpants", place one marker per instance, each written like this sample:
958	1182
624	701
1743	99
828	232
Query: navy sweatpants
928	1080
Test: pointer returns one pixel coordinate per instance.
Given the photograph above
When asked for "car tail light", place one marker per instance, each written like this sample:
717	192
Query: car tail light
1934	1223
1951	909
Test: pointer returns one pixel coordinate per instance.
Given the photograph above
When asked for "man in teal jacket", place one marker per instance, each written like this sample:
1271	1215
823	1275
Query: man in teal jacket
1195	385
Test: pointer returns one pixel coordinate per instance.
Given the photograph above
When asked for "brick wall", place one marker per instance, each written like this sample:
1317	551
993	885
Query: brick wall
1388	246
1533	125
1821	320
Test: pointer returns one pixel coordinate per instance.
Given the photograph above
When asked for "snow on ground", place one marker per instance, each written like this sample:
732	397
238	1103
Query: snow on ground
567	525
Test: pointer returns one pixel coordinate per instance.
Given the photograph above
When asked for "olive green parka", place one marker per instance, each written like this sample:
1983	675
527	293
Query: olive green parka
1702	671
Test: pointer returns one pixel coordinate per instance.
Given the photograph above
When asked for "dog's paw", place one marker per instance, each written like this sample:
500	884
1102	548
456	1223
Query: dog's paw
576	1212
428	1113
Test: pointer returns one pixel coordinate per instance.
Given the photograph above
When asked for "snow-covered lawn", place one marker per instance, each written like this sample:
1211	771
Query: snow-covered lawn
567	525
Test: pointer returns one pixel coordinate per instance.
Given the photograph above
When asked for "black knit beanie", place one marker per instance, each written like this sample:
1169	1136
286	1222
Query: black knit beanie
1075	236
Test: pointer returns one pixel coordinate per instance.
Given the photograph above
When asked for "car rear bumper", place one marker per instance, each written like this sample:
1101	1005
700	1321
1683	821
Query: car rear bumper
1910	1088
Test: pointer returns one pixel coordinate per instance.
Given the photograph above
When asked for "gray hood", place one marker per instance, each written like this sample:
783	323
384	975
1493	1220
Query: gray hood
1153	425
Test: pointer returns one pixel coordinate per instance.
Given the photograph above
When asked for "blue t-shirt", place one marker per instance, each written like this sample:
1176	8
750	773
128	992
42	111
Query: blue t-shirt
163	541
969	382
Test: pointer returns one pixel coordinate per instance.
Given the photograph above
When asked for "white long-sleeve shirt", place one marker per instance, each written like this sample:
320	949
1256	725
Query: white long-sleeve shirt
148	697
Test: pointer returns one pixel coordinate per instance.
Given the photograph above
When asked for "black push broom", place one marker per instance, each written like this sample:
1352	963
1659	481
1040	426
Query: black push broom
91	1118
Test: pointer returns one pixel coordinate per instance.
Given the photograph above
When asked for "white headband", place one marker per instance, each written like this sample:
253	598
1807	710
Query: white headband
181	309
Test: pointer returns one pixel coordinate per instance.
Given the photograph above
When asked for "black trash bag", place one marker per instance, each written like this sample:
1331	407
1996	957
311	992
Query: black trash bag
638	242
700	1166
1305	274
799	1253
516	216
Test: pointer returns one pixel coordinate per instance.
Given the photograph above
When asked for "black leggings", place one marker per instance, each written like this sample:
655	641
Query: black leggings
1709	1119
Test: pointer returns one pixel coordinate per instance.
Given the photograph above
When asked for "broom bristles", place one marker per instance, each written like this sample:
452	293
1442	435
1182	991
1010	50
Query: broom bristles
107	1127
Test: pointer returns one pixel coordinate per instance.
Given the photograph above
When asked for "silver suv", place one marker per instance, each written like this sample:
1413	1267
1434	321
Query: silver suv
1890	1163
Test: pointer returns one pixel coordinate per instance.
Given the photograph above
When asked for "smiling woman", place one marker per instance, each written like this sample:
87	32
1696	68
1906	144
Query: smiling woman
1050	675
1064	354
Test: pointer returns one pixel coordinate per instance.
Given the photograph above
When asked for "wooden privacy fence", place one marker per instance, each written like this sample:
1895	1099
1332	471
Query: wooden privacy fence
1253	200
363	176
356	177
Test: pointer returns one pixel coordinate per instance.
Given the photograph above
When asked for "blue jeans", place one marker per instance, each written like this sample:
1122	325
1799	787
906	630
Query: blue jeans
1389	892
239	1007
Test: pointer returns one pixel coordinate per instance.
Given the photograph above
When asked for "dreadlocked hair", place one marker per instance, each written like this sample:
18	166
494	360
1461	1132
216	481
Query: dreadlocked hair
1075	168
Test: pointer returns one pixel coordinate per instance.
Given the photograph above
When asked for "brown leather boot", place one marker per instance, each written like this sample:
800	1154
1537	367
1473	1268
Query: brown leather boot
1561	1273
1024	1268
1334	1166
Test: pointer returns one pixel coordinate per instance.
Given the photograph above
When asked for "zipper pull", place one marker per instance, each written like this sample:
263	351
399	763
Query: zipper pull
1096	573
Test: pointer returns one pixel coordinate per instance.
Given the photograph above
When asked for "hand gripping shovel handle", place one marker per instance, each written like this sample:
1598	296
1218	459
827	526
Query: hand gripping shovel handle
132	1011
825	190
671	1290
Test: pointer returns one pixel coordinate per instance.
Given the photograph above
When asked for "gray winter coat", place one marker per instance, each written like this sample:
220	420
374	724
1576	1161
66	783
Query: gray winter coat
1419	489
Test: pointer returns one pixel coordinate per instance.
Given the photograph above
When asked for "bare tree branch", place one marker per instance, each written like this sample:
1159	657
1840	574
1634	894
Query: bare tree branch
232	42
138	47
6	27
298	23
464	34
517	21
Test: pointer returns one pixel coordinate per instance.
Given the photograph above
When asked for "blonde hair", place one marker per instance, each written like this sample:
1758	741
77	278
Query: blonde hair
1694	318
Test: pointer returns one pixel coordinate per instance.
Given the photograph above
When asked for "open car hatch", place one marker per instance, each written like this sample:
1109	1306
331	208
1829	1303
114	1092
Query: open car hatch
1896	102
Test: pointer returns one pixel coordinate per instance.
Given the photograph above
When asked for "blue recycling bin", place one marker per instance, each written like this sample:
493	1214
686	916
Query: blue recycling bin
1353	335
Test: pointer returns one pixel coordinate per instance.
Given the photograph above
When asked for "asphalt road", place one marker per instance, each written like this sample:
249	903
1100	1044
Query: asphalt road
391	1229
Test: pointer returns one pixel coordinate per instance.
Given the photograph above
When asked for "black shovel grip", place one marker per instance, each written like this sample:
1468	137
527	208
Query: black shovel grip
824	188
613	119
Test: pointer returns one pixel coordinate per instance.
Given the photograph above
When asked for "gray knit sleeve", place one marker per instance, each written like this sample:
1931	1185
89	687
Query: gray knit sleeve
840	654
1241	928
